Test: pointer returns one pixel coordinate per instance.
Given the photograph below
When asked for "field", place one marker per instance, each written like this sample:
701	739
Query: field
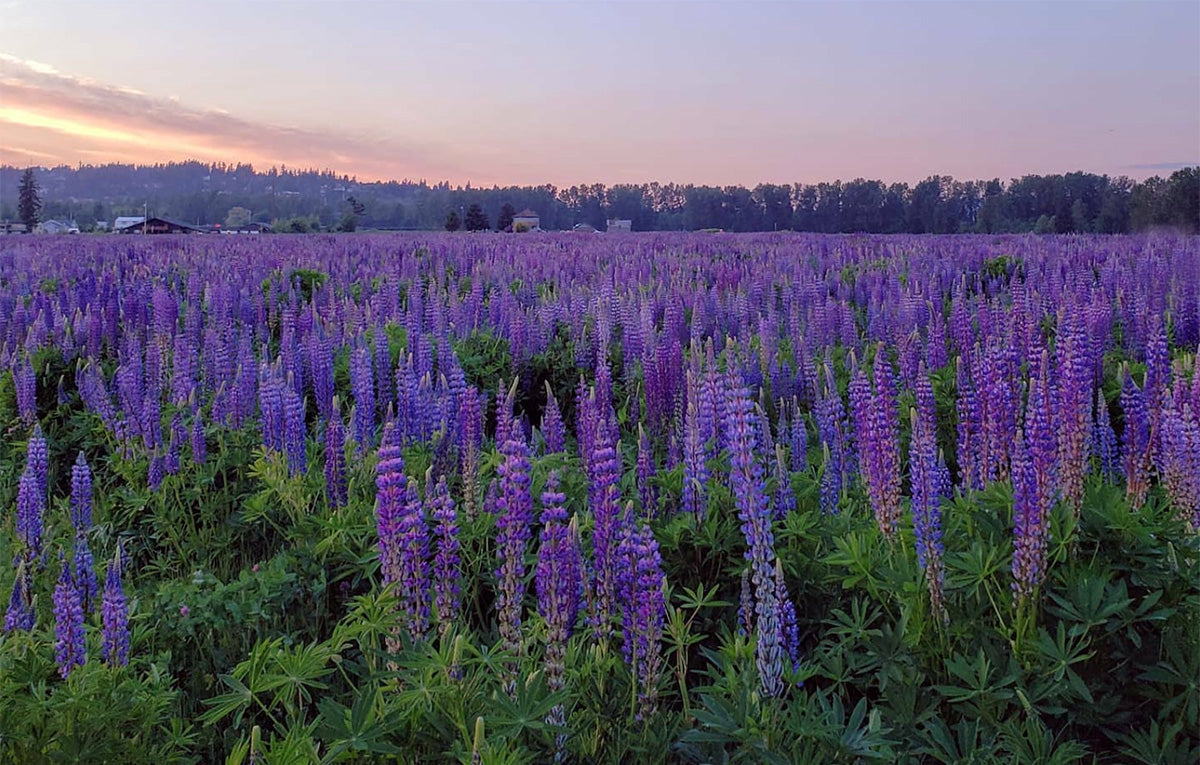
648	498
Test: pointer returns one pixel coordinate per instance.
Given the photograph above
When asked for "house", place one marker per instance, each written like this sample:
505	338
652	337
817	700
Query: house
126	221
526	220
158	225
57	227
619	224
585	228
8	227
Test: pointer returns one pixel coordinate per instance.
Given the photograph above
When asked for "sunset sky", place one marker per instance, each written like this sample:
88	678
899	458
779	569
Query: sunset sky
569	92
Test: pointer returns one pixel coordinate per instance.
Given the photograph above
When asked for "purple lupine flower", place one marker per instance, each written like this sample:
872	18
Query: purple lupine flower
270	405
151	422
514	515
749	492
645	474
797	440
859	394
785	496
382	359
885	448
362	384
1073	412
970	427
81	494
1029	524
390	486
929	484
745	613
471	420
37	460
25	380
175	444
446	570
789	622
199	446
830	415
1180	445
85	572
1041	440
20	614
1135	442
645	611
1105	441
553	430
695	468
30	504
610	522
320	365
70	649
115	616
559	582
155	472
335	458
414	572
293	431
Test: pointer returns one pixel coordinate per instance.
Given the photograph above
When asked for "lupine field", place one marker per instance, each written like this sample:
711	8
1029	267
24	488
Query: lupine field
551	498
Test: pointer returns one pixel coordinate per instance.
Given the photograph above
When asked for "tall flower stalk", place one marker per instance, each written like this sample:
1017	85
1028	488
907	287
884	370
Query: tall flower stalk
559	585
754	510
115	616
514	515
70	650
446	562
930	482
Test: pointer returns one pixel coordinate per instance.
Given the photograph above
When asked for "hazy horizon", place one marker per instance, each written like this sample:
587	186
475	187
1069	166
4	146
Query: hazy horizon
564	93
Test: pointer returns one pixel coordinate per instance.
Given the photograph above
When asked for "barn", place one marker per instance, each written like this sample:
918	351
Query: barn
159	225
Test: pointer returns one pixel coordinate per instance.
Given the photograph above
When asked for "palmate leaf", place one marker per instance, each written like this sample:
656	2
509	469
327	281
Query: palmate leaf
359	728
235	702
523	716
967	743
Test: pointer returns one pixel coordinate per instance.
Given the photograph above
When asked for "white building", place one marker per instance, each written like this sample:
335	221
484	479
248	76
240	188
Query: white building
57	227
526	220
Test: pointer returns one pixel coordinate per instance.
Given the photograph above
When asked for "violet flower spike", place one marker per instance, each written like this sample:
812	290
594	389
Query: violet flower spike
115	616
70	650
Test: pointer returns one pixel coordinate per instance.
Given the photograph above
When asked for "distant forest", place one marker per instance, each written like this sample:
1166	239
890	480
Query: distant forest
204	194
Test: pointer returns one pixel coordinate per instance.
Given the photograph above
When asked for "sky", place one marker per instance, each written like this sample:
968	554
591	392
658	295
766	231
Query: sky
581	92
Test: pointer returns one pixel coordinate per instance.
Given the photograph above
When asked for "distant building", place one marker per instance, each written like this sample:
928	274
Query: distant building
57	227
101	225
8	227
158	225
526	220
254	227
620	224
585	228
126	221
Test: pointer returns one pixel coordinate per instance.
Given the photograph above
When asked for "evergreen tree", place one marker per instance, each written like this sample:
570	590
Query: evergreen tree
29	201
504	222
476	220
452	221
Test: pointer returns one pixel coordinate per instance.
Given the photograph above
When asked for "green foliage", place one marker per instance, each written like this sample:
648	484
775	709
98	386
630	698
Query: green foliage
307	280
485	359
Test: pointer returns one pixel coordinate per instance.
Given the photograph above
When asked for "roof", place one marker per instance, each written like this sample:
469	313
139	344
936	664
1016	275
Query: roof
526	213
160	219
589	228
127	220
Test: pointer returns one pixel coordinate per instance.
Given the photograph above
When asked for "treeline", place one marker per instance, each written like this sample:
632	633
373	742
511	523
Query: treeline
204	194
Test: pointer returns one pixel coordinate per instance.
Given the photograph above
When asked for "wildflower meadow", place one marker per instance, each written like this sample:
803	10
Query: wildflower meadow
643	498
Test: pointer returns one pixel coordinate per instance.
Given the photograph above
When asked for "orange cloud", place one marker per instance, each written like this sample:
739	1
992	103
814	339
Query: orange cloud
72	119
